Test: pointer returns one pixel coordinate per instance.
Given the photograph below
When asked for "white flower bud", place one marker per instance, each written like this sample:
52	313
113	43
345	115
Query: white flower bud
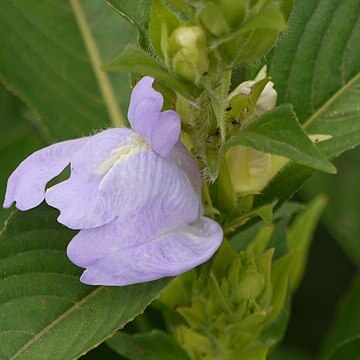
249	169
188	50
267	100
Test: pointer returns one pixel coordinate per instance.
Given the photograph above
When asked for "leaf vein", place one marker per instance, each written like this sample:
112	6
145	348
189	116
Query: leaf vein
296	52
319	111
318	48
75	307
342	66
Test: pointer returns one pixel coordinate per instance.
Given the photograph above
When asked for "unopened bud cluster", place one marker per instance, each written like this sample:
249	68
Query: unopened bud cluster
188	52
224	317
211	32
250	170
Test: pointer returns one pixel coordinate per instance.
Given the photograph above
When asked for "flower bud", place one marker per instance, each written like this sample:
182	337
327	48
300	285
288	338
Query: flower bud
213	20
267	100
223	17
188	51
197	345
234	11
250	287
249	169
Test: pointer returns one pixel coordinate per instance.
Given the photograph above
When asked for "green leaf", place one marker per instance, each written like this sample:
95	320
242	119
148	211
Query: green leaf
270	18
137	13
300	235
181	5
162	23
252	39
280	298
346	326
316	67
242	105
264	212
44	309
256	235
50	57
287	7
278	239
155	345
279	132
18	139
138	62
285	353
343	211
349	349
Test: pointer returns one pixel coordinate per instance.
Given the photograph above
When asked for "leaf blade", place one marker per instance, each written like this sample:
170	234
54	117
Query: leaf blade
55	306
49	67
278	132
139	62
137	13
335	109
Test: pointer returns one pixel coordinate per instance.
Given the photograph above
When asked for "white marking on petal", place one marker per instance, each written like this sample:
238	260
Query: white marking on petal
135	145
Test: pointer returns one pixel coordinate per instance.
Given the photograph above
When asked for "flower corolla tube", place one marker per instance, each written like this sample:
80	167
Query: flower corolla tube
134	194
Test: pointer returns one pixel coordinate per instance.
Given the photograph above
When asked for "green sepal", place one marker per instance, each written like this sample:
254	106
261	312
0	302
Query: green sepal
194	342
214	20
241	297
254	37
182	6
162	23
286	8
225	256
250	47
222	194
265	212
260	242
251	237
241	106
137	13
139	62
234	12
178	291
270	17
195	315
300	235
280	282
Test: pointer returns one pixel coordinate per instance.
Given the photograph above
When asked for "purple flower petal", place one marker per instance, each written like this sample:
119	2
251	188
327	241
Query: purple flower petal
143	90
148	182
79	200
134	194
160	129
26	185
112	257
89	199
155	202
188	164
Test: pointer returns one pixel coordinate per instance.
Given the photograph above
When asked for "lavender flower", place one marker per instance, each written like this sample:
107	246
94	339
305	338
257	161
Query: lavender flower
134	194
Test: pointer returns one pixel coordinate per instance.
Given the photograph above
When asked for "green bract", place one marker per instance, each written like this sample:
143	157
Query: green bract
234	314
